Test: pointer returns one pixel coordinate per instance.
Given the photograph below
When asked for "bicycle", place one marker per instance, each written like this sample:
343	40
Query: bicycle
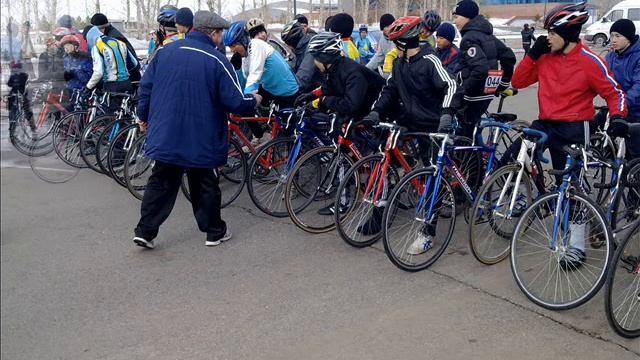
549	258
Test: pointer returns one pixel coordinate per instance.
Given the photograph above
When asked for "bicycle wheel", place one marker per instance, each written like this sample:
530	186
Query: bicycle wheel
50	168
311	189
538	252
367	189
137	168
602	147
622	300
626	205
268	176
470	164
118	151
493	219
405	220
232	177
89	141
66	138
105	140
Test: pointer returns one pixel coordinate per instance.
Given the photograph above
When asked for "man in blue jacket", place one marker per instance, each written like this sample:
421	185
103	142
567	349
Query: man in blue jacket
624	62
185	96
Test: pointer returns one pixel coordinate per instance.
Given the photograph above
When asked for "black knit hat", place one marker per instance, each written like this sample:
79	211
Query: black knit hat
302	19
343	24
386	20
99	20
184	17
467	8
626	28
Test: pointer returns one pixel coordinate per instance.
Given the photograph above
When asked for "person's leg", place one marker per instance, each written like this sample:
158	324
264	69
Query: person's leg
473	112
206	200
159	197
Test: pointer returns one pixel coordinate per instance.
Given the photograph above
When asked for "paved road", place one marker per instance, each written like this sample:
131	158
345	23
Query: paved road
73	286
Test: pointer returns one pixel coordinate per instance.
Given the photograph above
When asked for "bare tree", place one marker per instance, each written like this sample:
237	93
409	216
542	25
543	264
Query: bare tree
244	5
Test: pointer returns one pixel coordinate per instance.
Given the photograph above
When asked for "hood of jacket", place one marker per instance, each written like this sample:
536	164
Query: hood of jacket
301	48
480	24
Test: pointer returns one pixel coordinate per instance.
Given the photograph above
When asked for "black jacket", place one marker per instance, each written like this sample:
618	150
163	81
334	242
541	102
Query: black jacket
350	89
418	91
527	36
308	75
480	52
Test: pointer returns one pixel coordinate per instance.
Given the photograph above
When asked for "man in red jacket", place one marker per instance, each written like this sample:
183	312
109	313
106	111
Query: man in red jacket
569	75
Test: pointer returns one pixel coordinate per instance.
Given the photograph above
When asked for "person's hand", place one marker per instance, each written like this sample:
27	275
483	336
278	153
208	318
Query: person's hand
618	127
258	98
85	93
500	89
236	61
68	75
446	123
372	119
303	99
539	48
142	125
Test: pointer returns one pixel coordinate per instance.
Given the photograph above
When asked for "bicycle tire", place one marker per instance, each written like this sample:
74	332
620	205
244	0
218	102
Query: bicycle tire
544	208
105	140
118	152
66	138
89	141
626	205
137	168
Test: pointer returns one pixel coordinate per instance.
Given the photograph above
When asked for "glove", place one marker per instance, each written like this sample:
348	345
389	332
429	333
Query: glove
539	48
85	93
372	119
501	89
304	98
236	61
618	127
446	123
68	75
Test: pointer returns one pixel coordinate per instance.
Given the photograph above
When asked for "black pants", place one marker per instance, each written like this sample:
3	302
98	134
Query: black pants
526	48
472	113
160	196
120	87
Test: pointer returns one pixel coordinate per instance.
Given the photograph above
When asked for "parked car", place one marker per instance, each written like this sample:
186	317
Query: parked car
598	32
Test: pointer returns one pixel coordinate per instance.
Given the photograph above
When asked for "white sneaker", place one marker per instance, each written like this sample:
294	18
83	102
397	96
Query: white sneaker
226	237
422	244
143	242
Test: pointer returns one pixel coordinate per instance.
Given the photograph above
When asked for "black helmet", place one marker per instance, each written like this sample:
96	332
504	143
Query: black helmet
431	20
167	16
292	33
326	47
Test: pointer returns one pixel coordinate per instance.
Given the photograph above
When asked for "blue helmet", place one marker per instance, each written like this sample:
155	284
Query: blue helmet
236	34
167	16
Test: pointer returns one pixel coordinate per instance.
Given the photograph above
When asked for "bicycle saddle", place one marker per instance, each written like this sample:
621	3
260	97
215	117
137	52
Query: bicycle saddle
504	117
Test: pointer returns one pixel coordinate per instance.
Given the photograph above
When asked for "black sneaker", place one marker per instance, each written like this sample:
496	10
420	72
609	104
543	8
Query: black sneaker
572	259
330	210
374	224
148	244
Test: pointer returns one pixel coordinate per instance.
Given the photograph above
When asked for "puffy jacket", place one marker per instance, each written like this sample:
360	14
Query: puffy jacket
422	86
350	89
307	74
480	52
626	70
568	84
185	94
527	36
450	58
111	61
80	66
267	68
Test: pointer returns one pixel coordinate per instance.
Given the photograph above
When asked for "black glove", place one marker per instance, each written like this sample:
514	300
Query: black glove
85	93
68	75
372	119
304	99
446	123
236	61
501	89
539	48
618	127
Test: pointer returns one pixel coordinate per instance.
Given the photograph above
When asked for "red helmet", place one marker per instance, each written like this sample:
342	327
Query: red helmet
60	32
566	16
69	39
405	28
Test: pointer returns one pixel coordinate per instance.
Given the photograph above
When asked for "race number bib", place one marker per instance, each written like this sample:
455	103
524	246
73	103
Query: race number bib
493	81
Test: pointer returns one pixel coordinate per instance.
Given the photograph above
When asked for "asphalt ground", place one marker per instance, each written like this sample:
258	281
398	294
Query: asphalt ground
73	286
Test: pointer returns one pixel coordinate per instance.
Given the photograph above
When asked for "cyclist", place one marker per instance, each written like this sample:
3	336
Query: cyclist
624	62
184	20
424	93
384	44
343	24
480	54
102	23
66	21
446	50
18	84
305	23
431	22
237	39
294	35
77	64
364	45
569	76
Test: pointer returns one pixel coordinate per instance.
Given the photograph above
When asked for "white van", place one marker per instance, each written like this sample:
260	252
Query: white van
598	32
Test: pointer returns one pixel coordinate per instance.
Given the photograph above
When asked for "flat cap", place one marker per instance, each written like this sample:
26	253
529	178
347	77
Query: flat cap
207	20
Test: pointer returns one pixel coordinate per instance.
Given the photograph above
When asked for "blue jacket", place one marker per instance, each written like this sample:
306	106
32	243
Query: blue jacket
185	95
81	66
626	70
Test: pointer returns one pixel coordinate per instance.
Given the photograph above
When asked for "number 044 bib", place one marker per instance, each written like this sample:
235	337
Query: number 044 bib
493	80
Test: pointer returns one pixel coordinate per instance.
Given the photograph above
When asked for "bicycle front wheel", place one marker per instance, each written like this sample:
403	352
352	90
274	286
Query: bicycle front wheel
137	168
89	141
66	138
545	245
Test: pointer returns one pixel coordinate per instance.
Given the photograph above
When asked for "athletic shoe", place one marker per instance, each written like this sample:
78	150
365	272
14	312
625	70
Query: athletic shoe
143	242
374	224
226	237
572	259
421	245
330	210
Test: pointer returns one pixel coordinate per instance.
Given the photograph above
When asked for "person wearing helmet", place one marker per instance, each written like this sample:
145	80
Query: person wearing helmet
365	49
446	50
384	44
100	21
419	95
485	62
184	20
569	76
431	21
237	39
66	21
343	24
256	29
78	66
294	35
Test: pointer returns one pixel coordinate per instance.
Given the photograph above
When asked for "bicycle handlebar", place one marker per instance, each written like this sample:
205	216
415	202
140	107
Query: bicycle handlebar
574	153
